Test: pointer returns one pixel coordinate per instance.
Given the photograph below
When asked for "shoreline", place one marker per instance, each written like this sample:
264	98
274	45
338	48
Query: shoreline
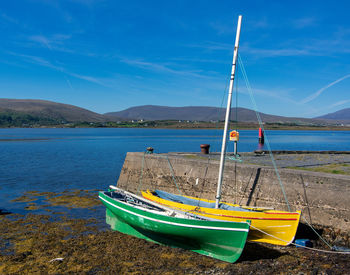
268	128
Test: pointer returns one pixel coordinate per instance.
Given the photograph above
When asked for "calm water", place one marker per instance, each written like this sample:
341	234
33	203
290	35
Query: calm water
60	159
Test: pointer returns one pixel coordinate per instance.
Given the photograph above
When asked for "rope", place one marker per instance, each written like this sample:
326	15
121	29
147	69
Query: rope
236	192
215	140
306	200
262	127
205	176
299	245
233	158
235	144
141	174
317	233
236	118
173	174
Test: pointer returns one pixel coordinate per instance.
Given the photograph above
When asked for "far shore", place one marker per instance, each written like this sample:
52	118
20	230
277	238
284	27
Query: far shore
186	125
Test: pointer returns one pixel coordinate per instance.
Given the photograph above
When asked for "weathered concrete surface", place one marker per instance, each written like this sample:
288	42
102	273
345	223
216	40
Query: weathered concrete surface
323	198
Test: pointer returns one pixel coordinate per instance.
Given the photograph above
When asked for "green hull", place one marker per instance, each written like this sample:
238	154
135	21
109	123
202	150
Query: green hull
221	240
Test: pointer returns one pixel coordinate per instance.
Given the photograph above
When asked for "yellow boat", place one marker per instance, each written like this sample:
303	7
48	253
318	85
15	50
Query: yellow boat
267	225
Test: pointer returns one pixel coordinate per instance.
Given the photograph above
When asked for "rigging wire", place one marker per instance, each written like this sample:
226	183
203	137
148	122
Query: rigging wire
141	173
274	163
262	127
170	167
217	141
205	176
235	144
236	107
313	229
173	174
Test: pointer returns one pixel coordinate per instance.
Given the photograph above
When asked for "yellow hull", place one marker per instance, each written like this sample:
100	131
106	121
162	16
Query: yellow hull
267	226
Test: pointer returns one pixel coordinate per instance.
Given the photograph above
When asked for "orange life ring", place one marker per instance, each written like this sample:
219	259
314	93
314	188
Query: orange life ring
234	135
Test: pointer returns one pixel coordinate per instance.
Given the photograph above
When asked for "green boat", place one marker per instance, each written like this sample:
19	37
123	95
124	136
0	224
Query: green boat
136	216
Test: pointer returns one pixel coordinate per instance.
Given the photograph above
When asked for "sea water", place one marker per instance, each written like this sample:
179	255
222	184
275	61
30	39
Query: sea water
55	160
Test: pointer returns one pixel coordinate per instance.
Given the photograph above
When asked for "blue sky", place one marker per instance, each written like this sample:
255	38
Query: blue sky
111	55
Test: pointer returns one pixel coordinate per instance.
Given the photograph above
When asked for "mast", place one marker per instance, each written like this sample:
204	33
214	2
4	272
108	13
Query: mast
228	112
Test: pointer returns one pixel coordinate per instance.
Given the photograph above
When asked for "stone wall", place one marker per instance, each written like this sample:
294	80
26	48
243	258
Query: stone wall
323	198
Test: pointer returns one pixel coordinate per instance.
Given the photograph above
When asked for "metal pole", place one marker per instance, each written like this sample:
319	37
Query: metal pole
228	111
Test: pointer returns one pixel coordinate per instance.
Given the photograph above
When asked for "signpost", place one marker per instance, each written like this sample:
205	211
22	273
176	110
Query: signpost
234	136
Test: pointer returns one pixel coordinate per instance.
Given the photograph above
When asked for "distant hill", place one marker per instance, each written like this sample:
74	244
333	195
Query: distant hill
30	112
48	111
201	113
343	114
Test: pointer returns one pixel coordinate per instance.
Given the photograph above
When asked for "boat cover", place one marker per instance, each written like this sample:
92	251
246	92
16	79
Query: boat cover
194	202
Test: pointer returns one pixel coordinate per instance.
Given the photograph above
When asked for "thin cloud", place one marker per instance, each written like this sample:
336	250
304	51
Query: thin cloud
257	24
40	39
160	68
54	39
52	43
45	63
89	3
8	18
313	48
281	96
87	78
36	60
275	52
221	29
57	43
339	103
304	22
326	47
212	46
209	45
337	43
199	60
320	91
314	112
260	24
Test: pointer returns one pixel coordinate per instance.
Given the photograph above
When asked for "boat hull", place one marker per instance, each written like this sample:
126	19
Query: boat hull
220	240
267	226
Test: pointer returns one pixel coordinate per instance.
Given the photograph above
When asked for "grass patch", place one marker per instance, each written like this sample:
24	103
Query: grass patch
194	157
334	168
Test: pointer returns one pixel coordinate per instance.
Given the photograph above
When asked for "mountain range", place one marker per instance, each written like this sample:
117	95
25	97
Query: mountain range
64	113
201	113
343	114
40	110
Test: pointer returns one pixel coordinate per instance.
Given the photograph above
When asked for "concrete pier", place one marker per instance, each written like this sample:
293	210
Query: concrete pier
323	198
